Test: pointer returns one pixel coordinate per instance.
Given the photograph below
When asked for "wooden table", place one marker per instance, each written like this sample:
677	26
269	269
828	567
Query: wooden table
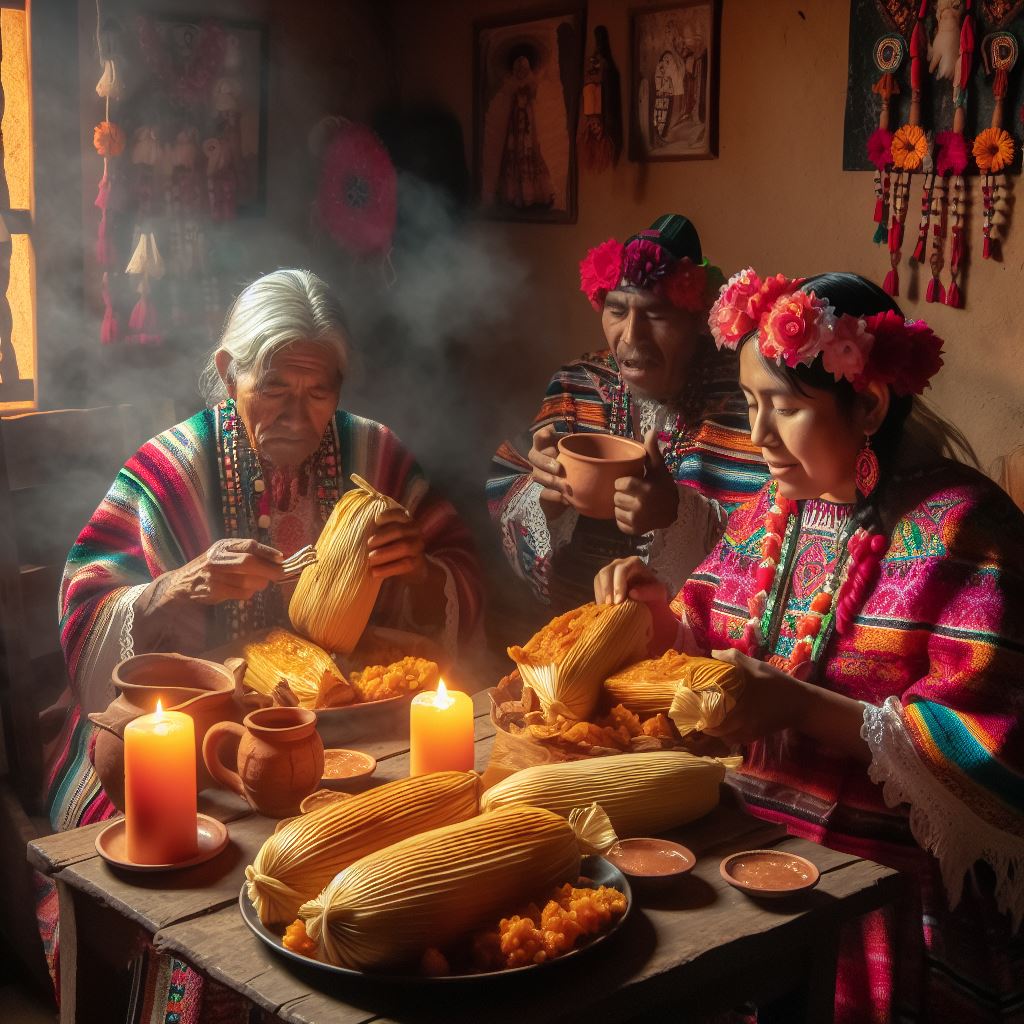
704	947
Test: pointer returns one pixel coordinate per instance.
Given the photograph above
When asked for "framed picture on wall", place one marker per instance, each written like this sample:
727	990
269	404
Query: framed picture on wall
527	80
674	81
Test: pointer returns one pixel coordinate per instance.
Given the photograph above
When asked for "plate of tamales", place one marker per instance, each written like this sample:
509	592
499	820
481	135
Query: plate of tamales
597	876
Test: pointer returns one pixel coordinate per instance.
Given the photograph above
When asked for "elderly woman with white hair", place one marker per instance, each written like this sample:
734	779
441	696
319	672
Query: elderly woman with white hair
184	553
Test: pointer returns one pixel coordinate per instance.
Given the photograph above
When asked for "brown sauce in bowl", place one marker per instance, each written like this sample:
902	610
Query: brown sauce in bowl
770	871
650	857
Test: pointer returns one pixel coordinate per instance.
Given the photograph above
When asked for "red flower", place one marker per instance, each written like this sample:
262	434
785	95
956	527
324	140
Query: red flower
644	263
685	286
952	153
880	148
906	354
770	290
729	319
601	271
794	330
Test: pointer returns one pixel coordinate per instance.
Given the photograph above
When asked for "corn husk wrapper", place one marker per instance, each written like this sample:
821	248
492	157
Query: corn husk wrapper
593	829
334	597
648	687
434	888
308	670
566	662
307	851
642	794
705	697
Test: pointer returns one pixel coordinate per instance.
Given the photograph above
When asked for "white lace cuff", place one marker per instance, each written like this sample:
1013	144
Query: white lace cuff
678	549
546	537
941	824
111	641
447	637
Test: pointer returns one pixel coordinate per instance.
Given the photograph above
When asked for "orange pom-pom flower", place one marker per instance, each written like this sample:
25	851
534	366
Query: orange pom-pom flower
108	139
993	150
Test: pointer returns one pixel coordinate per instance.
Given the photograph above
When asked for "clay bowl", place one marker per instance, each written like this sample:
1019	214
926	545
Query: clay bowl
593	462
651	864
341	766
772	874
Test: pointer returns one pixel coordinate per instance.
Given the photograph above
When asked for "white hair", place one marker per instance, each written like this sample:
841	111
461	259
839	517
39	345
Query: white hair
270	314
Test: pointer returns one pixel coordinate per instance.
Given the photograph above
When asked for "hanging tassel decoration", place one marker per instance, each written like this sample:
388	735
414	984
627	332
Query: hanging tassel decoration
936	291
954	296
926	208
146	262
888	55
110	329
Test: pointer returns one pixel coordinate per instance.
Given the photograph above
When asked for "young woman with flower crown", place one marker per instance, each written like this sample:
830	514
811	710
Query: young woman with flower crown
873	593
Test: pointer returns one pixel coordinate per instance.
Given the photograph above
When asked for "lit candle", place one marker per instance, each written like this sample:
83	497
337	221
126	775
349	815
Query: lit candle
160	788
441	732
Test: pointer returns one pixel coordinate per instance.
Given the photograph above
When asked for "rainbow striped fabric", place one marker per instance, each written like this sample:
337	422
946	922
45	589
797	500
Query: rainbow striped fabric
713	455
164	509
940	640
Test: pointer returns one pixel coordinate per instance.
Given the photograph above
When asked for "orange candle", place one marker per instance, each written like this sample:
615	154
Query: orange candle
441	732
160	788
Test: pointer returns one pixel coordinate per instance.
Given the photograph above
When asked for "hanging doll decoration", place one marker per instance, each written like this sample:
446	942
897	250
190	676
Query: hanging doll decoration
994	147
958	160
889	53
910	149
148	265
599	136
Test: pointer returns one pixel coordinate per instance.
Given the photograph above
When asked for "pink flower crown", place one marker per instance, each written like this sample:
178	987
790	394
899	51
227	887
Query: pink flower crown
795	327
643	263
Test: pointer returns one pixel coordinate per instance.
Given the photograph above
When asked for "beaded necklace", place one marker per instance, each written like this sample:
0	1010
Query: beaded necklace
246	505
833	607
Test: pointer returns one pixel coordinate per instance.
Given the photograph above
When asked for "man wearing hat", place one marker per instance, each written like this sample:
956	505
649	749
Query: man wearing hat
660	381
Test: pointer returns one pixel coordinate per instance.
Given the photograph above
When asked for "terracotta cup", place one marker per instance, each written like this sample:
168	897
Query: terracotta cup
202	689
280	758
593	462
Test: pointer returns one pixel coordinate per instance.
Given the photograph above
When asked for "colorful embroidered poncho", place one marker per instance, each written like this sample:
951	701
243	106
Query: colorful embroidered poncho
164	509
937	655
707	449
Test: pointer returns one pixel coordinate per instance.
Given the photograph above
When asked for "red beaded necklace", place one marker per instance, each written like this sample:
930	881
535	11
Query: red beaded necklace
836	604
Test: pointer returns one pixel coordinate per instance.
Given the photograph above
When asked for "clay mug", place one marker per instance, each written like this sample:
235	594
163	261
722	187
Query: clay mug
280	758
592	463
202	689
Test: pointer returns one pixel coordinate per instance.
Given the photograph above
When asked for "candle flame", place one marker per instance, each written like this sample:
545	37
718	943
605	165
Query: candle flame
442	698
159	710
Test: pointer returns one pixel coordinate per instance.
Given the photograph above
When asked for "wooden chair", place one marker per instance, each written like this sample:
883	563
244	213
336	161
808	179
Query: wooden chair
55	468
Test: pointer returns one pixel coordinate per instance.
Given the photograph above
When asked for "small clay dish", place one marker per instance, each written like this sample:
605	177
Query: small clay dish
651	863
769	873
211	838
593	462
342	765
321	798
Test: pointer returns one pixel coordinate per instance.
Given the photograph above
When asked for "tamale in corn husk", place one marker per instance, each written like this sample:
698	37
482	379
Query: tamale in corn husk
308	670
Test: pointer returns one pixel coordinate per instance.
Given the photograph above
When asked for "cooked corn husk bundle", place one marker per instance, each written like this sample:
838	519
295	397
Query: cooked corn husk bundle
335	595
438	886
307	669
567	661
295	863
648	687
710	691
642	794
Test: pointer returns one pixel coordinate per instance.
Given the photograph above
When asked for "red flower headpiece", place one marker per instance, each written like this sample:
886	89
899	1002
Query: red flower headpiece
643	263
795	328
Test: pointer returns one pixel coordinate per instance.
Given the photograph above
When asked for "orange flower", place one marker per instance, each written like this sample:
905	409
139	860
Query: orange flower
909	147
108	139
993	150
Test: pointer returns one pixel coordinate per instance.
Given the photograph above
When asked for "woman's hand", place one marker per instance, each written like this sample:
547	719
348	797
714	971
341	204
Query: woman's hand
628	577
549	472
396	547
770	701
650	502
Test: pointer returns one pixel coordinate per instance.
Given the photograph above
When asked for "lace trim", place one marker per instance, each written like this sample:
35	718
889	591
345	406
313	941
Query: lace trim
678	549
450	635
655	416
525	510
104	651
943	825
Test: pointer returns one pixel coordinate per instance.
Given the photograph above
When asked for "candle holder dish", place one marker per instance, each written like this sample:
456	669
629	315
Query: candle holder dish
772	874
211	838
